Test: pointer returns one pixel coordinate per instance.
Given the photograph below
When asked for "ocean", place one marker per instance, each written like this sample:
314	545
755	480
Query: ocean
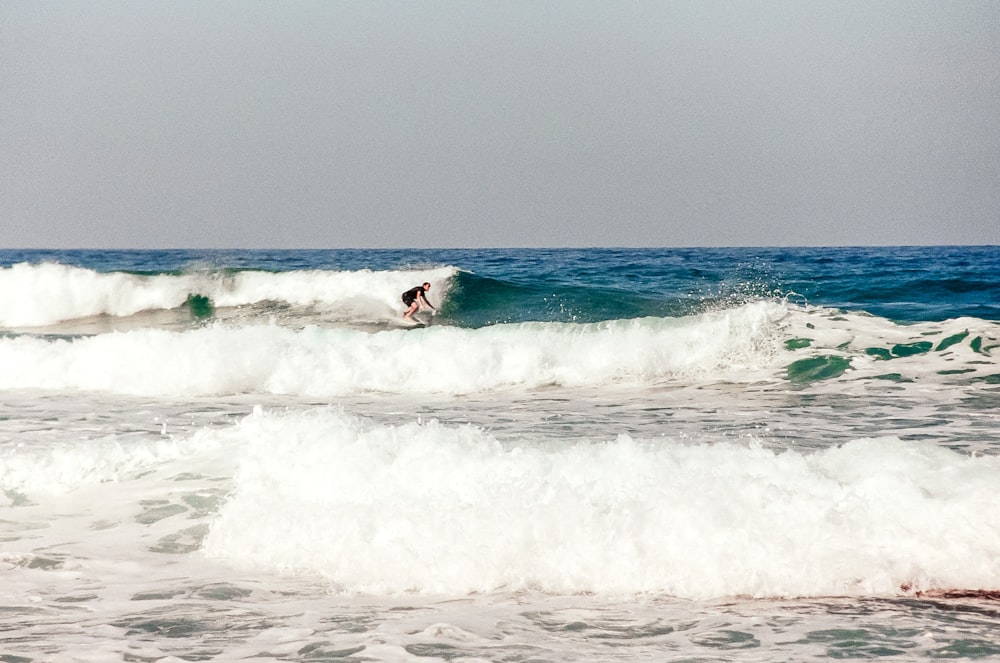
753	454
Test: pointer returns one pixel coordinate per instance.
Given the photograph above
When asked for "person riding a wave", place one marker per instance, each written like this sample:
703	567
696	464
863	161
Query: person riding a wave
415	298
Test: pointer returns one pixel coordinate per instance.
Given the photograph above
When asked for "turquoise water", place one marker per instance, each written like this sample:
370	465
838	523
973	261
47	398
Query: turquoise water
602	454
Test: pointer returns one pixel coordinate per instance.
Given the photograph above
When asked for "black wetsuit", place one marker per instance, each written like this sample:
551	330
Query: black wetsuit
411	295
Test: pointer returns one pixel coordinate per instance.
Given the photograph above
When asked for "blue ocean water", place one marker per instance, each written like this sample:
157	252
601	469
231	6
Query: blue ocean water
584	454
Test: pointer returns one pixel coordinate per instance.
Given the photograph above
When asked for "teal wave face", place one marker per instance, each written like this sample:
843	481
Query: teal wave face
477	301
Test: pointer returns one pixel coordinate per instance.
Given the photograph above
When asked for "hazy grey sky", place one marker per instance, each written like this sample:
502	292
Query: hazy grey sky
509	123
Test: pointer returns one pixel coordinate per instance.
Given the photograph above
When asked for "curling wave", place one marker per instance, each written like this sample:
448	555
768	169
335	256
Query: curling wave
45	294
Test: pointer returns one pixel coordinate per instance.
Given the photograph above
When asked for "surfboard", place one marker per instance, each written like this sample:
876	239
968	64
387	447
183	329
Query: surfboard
411	323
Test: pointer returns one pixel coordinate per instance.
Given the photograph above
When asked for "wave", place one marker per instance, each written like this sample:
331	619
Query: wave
477	301
60	469
432	508
316	361
763	342
34	296
39	295
826	343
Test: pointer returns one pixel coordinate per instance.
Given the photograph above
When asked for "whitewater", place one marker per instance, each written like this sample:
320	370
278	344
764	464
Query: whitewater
603	454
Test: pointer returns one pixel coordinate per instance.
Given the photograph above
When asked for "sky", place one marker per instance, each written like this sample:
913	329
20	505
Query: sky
512	123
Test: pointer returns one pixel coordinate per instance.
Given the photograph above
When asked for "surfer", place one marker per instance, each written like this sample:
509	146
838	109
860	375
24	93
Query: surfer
415	298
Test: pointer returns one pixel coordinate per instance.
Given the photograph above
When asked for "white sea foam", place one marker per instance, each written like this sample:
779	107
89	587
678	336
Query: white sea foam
433	508
58	469
961	347
33	295
42	294
315	361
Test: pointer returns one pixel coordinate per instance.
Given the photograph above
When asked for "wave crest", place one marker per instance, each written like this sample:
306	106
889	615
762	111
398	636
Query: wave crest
38	295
